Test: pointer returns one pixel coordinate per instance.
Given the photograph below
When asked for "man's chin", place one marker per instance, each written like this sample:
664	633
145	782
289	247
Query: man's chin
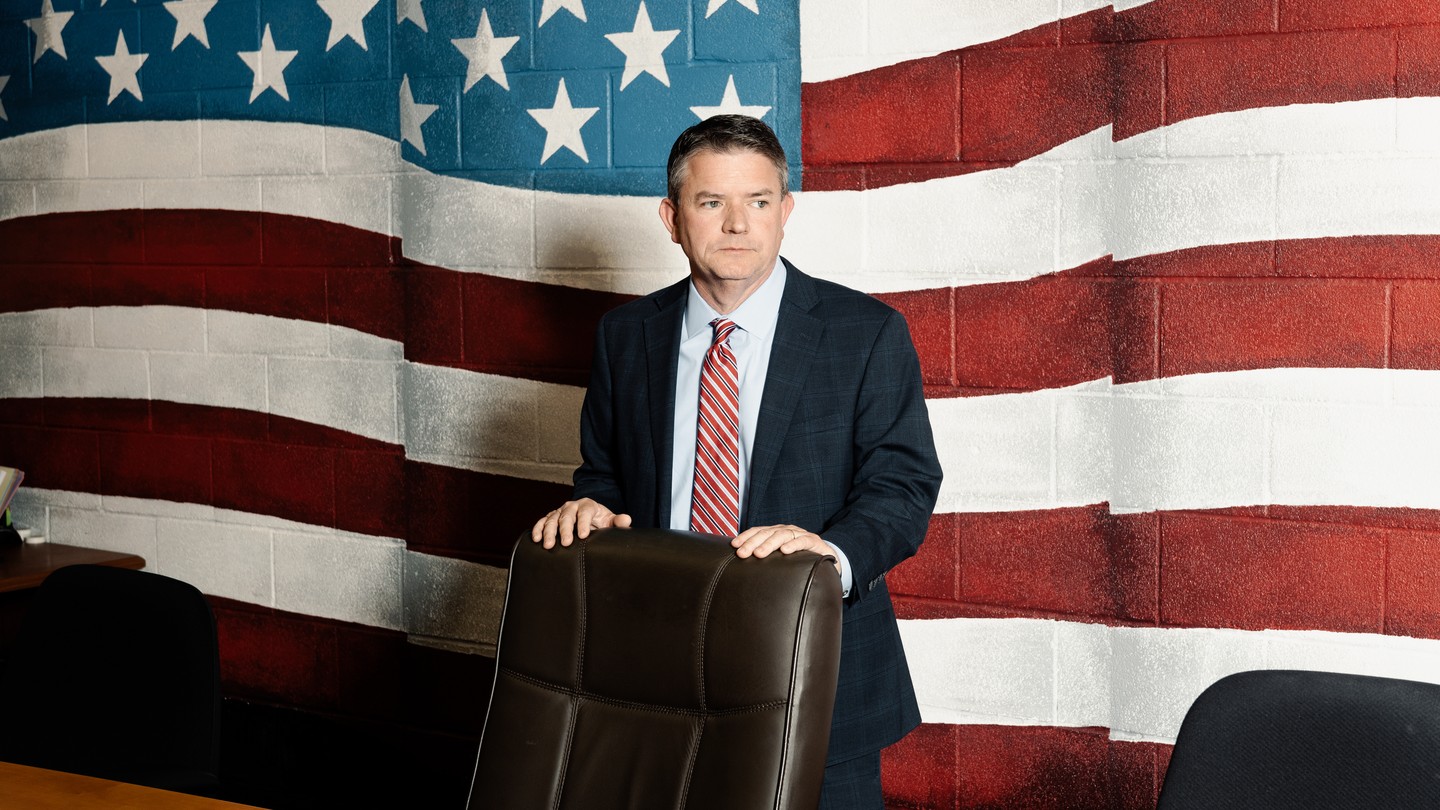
738	268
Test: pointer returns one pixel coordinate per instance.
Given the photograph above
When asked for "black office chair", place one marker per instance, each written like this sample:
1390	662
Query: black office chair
116	674
647	669
1279	739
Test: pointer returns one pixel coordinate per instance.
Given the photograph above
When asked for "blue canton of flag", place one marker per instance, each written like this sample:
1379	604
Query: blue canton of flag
566	95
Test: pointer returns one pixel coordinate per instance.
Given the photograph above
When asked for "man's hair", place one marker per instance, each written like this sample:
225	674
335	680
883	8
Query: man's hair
725	134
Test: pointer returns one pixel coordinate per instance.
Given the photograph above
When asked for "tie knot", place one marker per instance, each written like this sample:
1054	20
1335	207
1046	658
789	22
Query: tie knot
723	327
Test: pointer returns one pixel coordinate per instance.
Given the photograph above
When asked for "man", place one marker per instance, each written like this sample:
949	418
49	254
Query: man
834	453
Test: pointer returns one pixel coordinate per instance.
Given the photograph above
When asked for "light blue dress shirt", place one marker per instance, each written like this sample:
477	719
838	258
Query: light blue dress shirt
751	342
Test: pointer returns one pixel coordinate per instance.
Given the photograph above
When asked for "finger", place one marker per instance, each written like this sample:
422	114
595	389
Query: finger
762	542
552	528
744	541
622	521
591	516
768	543
802	541
565	527
538	533
751	536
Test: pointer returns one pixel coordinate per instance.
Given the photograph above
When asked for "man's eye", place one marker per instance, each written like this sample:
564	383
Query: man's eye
762	203
710	204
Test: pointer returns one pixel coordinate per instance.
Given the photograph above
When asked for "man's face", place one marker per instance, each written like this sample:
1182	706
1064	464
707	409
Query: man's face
729	219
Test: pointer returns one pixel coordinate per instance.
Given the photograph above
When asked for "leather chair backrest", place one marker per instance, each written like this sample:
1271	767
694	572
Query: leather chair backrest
1314	740
655	669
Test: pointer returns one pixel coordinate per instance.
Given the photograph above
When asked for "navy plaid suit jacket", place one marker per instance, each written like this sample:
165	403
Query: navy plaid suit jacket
843	448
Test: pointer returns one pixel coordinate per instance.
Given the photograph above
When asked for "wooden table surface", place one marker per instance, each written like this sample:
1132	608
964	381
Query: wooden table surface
39	789
25	566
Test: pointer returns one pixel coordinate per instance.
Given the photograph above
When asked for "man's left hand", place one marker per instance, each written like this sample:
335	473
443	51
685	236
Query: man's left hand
786	539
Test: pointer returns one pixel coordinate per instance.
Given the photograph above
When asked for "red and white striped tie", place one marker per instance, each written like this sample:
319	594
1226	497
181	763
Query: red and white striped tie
715	505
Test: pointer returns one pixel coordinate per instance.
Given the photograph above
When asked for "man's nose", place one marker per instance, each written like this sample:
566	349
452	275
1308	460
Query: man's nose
736	220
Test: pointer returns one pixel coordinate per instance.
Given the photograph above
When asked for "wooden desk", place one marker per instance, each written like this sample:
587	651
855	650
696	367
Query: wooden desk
39	789
25	566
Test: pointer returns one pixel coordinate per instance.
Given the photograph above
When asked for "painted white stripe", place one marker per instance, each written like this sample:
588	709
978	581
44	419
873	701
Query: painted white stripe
297	567
492	423
320	373
1135	681
841	37
1361	437
1310	170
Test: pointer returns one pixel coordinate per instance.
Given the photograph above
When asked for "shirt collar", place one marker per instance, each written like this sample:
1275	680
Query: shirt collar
757	315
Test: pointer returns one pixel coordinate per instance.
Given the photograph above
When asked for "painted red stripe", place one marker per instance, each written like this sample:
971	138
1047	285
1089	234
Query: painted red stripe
977	766
472	515
1211	308
269	465
1001	102
1307	15
303	269
1347	569
335	667
1354	302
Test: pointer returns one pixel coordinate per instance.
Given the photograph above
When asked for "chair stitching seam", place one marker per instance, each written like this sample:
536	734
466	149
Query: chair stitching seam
800	628
690	767
629	704
565	762
579	673
705	625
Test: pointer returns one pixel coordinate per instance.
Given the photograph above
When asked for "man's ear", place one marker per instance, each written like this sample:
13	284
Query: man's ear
787	204
667	216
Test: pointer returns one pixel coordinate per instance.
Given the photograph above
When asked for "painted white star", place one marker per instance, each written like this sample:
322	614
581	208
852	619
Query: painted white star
347	19
268	65
124	69
753	5
485	50
562	124
48	27
730	104
413	116
644	49
190	20
412	11
549	7
4	80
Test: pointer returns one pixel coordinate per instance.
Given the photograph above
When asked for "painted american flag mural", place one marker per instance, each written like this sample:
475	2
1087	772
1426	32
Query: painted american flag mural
298	298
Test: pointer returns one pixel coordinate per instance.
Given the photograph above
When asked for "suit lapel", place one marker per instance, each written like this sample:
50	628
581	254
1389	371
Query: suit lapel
662	354
797	339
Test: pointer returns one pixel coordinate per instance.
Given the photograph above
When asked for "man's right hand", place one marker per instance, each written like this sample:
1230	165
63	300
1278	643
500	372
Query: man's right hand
575	519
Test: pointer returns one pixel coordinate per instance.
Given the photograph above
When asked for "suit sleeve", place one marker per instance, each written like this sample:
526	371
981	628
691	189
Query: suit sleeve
596	476
897	472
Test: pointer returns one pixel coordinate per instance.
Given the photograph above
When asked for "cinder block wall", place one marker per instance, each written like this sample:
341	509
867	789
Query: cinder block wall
1169	265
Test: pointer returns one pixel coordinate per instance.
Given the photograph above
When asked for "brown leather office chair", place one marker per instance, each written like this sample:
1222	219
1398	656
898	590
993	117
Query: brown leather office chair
647	669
